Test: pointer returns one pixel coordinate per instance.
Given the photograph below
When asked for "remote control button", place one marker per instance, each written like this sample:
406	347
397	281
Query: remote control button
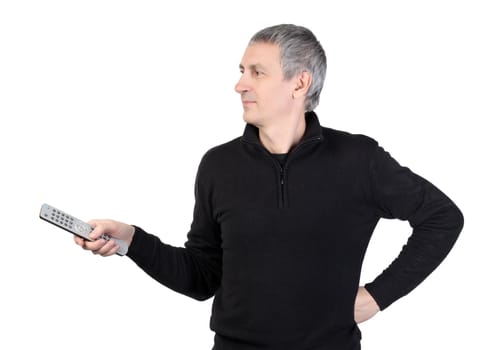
80	228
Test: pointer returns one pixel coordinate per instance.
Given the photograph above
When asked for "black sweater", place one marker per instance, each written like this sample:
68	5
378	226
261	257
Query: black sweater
281	248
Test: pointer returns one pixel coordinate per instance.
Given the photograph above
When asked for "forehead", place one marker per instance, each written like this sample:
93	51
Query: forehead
263	54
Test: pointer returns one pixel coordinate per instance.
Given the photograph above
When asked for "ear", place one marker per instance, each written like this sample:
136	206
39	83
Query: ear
303	82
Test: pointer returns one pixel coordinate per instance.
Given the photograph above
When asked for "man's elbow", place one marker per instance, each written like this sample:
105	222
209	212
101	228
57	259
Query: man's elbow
457	218
201	296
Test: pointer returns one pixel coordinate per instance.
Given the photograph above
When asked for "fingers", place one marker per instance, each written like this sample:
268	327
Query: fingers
101	247
109	248
79	240
106	247
100	228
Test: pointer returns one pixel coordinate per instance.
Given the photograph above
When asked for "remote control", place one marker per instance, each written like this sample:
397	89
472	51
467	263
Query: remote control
75	226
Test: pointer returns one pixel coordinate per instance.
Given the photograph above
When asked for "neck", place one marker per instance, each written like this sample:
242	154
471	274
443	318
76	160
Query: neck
281	137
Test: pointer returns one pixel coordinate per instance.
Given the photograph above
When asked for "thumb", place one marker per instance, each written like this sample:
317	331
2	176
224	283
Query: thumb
98	229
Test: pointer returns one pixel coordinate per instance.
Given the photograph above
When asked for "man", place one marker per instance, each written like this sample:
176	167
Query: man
283	215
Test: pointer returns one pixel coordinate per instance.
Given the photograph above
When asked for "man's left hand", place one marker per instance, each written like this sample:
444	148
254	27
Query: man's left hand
365	306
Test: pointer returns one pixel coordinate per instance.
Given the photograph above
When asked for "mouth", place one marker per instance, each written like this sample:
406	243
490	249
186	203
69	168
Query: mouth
248	102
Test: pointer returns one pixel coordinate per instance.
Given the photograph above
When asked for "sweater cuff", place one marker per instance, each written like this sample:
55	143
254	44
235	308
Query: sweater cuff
141	246
380	293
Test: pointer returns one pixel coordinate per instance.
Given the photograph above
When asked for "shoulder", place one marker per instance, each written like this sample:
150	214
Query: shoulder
344	141
223	149
219	155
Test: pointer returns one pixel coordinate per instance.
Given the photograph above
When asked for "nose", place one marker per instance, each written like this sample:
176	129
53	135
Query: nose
242	84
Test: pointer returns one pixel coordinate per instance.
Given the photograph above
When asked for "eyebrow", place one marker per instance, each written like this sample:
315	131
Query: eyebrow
252	66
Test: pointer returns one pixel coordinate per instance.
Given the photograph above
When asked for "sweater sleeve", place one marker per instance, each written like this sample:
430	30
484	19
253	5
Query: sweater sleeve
193	270
436	222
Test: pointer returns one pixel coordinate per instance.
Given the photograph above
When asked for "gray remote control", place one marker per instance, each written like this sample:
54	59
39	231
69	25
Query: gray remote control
75	226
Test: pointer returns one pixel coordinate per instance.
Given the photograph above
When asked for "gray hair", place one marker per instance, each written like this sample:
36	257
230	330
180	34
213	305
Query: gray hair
300	51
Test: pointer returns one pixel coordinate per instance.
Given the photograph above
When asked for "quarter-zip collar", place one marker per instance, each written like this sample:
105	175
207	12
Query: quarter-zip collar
312	131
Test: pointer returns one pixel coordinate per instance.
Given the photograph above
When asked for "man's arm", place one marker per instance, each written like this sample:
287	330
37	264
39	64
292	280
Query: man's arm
435	219
194	270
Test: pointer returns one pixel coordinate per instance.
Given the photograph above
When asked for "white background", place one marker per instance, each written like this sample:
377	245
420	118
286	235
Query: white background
106	108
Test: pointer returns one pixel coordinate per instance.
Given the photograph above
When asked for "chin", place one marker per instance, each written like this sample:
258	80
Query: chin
251	118
247	117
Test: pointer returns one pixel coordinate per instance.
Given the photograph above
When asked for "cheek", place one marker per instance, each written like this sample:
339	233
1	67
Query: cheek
277	97
282	99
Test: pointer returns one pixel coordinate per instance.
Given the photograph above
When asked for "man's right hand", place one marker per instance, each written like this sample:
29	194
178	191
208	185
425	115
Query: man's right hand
112	228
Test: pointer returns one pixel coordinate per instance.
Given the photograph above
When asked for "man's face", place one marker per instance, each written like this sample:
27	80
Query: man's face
266	96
